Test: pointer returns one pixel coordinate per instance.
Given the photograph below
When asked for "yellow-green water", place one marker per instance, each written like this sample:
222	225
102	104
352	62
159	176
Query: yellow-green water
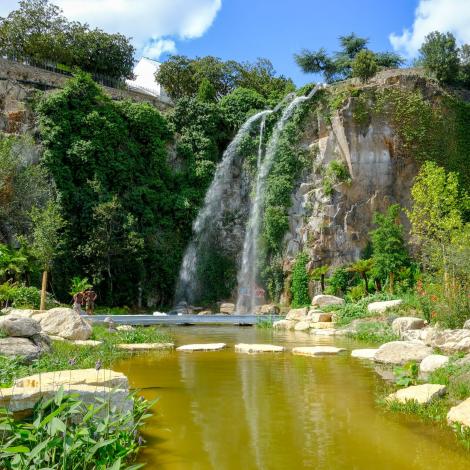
230	411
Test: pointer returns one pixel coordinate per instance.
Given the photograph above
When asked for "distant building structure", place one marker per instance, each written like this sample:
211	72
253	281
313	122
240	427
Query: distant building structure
144	81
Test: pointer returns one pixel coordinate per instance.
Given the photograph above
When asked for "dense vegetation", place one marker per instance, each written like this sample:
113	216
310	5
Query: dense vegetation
37	31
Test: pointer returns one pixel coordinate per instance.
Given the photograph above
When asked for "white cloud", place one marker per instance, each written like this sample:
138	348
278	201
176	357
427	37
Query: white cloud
149	22
434	15
155	49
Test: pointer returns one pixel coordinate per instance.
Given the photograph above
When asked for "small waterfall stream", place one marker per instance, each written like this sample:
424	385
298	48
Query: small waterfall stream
188	284
248	274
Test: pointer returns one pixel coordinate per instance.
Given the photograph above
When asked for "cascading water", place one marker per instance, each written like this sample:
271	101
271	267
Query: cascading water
188	284
247	277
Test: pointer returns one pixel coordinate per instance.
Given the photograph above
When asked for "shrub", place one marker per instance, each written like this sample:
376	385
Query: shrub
364	65
55	438
339	282
299	287
239	104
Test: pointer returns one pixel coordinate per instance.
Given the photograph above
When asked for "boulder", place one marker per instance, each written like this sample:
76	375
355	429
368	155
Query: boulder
66	323
21	399
431	363
302	326
381	307
145	346
401	352
322	300
414	335
202	347
284	324
449	341
322	325
103	377
422	394
19	312
267	309
205	312
258	348
21	327
460	414
227	308
315	316
23	347
317	350
364	353
402	324
297	314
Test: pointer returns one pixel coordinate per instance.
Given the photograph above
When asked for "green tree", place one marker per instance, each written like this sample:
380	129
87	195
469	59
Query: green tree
464	57
389	250
364	65
440	56
362	267
239	104
437	212
299	286
206	92
45	239
339	66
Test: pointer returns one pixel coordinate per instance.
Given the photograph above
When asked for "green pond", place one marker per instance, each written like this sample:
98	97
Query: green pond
224	410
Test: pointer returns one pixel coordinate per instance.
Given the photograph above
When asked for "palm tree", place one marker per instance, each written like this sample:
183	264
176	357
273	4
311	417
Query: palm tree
12	263
362	267
318	274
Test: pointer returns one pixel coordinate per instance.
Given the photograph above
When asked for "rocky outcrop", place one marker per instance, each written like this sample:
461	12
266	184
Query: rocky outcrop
401	324
401	352
421	394
66	323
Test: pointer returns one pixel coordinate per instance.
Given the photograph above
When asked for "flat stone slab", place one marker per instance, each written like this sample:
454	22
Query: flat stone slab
460	413
145	346
103	377
401	352
258	348
364	353
317	350
86	342
420	393
202	347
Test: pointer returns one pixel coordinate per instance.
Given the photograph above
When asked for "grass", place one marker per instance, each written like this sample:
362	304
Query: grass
65	355
456	377
374	332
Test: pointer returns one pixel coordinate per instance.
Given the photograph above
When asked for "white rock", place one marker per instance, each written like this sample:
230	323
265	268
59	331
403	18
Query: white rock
284	324
159	314
302	326
145	346
202	347
322	300
103	377
380	307
402	324
432	362
420	393
86	342
21	327
23	313
257	348
125	328
227	308
326	332
66	323
460	414
317	350
297	314
364	353
401	352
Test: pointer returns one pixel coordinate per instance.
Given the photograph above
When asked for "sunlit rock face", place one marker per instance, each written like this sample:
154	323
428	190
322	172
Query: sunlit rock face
333	228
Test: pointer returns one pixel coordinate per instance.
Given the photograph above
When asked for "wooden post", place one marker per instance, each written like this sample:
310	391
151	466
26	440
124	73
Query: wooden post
43	291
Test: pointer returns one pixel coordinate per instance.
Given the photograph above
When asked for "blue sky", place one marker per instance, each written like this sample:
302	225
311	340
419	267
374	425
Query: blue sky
246	29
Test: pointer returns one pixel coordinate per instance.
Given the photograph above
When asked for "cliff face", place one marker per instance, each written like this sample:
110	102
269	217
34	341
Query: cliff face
332	223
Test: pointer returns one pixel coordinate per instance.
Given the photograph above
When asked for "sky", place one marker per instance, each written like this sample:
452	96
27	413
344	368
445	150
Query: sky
276	29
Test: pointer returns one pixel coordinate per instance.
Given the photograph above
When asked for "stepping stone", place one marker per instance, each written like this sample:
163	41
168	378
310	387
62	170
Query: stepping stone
364	353
86	342
420	393
202	347
317	350
145	346
258	348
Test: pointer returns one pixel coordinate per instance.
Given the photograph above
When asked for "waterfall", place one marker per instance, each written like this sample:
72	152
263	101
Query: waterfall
248	274
188	284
